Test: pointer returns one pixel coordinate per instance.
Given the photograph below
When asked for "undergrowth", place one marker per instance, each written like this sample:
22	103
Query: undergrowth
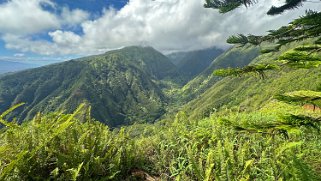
226	146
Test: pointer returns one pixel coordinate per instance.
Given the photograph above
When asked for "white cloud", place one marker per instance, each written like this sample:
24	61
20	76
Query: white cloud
19	55
43	47
73	17
65	38
26	17
166	25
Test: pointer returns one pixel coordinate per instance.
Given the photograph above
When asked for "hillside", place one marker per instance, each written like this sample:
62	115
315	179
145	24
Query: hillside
122	86
251	112
194	62
248	92
235	130
9	66
234	57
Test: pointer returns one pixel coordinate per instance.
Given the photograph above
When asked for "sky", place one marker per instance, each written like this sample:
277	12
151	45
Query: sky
44	31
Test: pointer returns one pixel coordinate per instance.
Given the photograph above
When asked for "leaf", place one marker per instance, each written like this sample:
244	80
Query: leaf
75	172
208	172
55	172
247	165
8	124
288	146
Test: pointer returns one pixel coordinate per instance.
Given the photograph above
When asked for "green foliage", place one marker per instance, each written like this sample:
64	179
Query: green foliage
235	57
227	146
308	26
122	86
239	39
257	69
301	58
210	150
4	114
60	147
225	6
303	54
301	97
289	4
243	40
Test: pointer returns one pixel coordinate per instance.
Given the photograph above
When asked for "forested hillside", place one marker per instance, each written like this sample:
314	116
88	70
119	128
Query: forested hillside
249	92
234	57
122	86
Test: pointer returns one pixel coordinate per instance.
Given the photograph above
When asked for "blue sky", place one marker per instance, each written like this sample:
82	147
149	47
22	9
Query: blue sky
93	7
46	31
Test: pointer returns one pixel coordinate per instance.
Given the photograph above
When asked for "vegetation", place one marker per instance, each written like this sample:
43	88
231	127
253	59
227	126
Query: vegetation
122	86
234	57
61	147
225	6
134	84
258	69
234	128
299	57
227	145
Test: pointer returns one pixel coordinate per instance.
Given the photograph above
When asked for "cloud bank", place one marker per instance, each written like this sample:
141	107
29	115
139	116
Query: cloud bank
167	25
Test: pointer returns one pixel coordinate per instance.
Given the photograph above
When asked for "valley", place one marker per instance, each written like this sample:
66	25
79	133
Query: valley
188	108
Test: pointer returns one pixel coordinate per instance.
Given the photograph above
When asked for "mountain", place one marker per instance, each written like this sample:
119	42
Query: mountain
234	57
10	66
122	86
248	92
194	62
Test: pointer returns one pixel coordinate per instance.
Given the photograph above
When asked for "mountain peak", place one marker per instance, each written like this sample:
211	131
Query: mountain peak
135	50
122	86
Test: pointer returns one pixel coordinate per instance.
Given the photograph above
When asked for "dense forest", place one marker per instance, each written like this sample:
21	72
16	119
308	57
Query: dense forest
251	112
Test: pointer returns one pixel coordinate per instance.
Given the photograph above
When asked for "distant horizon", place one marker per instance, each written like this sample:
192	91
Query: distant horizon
40	62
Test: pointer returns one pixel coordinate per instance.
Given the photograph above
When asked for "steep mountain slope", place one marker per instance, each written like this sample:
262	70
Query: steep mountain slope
122	86
248	93
194	62
9	66
235	57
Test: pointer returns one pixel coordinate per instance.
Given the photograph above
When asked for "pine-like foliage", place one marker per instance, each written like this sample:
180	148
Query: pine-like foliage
289	4
302	97
225	6
308	26
243	40
257	69
307	56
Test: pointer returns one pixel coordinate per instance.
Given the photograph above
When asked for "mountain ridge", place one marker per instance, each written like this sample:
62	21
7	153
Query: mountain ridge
192	63
122	86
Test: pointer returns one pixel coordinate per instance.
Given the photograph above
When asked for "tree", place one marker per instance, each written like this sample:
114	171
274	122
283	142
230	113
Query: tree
308	26
302	98
307	56
225	6
257	69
